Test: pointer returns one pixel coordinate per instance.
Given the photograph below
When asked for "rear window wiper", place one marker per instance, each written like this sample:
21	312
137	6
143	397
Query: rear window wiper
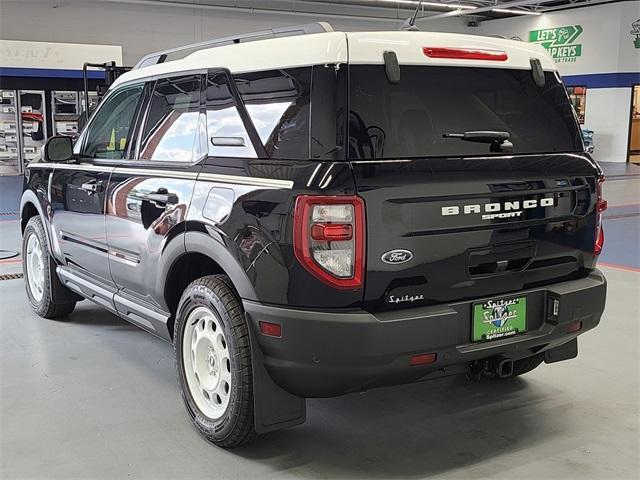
499	141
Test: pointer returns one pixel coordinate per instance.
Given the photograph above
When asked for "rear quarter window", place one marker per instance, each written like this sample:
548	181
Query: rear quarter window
278	104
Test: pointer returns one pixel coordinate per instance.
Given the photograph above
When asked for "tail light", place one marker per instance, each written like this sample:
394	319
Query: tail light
601	206
328	238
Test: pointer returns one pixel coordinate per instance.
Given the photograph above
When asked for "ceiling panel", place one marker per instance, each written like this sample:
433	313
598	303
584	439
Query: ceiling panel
476	10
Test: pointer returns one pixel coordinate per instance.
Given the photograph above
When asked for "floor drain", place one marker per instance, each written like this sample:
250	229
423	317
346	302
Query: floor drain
10	276
7	254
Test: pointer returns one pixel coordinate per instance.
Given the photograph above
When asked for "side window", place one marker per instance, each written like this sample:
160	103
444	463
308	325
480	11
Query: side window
171	130
278	103
107	135
227	136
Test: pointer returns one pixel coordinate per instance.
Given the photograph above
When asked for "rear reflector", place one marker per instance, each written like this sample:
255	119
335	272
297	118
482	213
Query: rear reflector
423	359
270	329
573	326
465	54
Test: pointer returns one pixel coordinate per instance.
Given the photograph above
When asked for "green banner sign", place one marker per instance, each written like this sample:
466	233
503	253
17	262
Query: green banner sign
560	42
635	31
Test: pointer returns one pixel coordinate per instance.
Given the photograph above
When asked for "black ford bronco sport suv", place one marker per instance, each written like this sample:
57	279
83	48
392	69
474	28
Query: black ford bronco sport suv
308	213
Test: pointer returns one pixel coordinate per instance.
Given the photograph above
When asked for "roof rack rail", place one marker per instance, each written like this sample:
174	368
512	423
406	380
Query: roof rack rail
307	29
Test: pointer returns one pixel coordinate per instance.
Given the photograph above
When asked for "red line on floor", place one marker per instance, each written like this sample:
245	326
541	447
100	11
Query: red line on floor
619	267
623	205
9	261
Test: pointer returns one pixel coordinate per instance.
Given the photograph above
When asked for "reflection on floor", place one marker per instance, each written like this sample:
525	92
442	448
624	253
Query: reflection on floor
619	170
8	170
10	191
622	236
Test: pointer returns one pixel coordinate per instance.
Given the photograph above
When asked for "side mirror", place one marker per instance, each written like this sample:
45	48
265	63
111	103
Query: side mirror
57	149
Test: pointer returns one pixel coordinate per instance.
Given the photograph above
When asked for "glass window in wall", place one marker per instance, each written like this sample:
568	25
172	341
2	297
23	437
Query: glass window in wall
578	96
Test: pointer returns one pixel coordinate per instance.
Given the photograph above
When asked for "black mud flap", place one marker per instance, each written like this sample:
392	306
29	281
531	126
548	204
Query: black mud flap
60	293
274	408
566	351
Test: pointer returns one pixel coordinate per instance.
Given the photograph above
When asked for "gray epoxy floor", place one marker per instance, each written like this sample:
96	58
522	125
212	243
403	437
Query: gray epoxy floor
94	397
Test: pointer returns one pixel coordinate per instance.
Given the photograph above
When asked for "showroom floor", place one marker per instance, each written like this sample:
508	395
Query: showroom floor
94	397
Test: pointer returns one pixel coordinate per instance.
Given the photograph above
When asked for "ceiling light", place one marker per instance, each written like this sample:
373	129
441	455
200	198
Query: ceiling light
451	6
430	4
515	12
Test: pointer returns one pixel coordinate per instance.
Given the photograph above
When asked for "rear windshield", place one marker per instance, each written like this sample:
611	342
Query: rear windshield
409	119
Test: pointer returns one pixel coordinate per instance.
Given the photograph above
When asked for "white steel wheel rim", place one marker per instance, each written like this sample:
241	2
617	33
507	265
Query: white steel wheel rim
207	363
35	267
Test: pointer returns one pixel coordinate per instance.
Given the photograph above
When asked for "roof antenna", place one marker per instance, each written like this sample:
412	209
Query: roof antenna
410	23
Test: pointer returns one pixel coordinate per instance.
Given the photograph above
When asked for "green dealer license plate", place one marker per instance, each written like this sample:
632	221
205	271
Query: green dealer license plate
499	318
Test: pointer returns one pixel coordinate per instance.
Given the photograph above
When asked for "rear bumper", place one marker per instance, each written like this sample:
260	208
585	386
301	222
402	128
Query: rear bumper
326	354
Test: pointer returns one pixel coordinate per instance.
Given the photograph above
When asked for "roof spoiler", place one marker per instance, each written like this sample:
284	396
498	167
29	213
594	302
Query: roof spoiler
307	29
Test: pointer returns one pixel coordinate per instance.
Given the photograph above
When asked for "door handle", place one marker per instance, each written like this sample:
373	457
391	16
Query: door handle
92	187
162	197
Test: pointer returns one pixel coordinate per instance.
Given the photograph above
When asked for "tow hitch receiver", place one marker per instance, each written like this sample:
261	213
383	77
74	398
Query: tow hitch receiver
492	367
505	368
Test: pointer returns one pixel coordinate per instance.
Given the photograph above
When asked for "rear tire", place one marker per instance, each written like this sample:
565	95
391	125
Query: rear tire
36	265
213	361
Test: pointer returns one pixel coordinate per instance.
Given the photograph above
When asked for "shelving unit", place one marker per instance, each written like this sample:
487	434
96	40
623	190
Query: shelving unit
9	138
67	108
65	112
33	123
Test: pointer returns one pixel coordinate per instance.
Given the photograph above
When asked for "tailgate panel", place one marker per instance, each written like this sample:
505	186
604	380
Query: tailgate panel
475	231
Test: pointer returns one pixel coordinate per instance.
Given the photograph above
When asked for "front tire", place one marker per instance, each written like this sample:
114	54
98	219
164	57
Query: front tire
213	361
36	265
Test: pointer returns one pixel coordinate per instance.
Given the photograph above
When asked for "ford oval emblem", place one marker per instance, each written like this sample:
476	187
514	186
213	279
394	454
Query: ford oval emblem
394	257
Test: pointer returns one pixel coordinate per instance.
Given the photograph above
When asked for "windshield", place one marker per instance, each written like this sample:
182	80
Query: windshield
410	118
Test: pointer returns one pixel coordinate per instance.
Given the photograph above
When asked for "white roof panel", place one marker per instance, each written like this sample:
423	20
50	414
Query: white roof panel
285	52
368	47
340	47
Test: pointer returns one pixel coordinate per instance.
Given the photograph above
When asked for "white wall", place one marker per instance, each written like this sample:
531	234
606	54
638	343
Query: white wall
607	47
68	56
142	29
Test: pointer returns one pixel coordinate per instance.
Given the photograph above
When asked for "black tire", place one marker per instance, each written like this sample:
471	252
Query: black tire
44	307
525	365
236	425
